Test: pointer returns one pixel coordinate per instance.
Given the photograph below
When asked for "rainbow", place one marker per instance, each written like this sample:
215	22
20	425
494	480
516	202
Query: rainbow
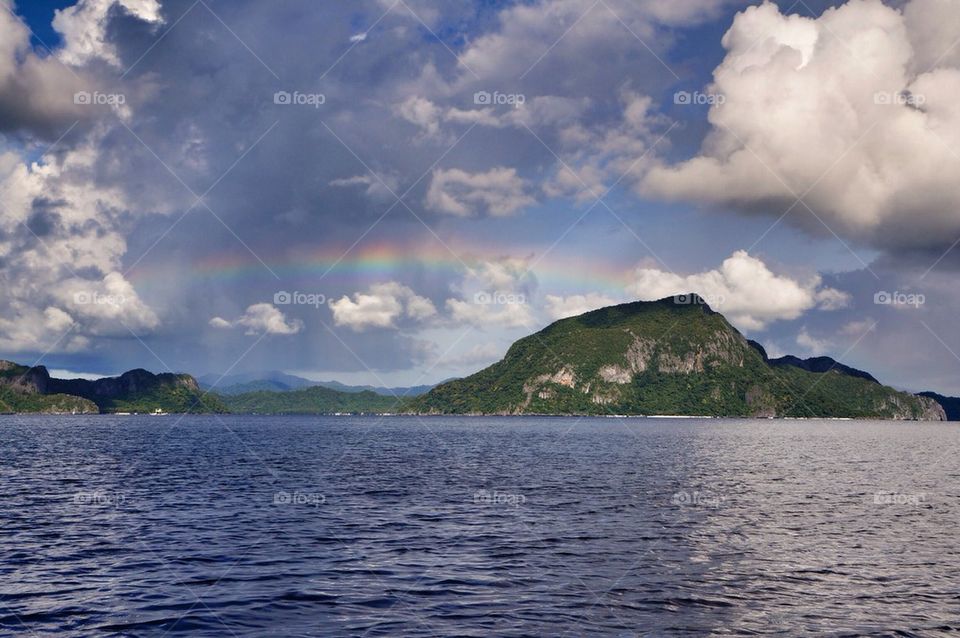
373	262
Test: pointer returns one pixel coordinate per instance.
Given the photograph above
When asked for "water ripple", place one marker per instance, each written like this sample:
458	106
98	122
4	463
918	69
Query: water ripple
476	527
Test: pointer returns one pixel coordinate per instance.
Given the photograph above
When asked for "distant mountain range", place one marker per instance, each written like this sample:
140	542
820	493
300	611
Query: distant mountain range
275	381
665	358
313	400
643	358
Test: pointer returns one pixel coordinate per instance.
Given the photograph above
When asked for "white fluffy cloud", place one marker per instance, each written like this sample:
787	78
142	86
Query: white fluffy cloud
261	318
422	112
499	192
35	92
83	27
480	354
373	187
380	307
857	106
511	313
559	307
573	30
495	293
813	345
541	110
744	289
61	244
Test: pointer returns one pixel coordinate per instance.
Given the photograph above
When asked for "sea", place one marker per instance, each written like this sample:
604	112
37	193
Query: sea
474	526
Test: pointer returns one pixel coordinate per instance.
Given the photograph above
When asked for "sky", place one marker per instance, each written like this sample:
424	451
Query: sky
391	192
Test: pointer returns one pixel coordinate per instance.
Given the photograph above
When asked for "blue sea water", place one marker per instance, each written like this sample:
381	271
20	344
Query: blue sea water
350	526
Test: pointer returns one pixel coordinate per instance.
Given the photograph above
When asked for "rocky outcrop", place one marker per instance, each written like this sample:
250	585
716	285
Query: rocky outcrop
32	389
950	405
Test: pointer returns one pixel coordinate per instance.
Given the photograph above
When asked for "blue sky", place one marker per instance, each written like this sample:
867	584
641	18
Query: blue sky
223	153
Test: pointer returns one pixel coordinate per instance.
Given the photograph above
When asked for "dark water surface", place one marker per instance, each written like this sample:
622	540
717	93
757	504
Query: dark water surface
256	526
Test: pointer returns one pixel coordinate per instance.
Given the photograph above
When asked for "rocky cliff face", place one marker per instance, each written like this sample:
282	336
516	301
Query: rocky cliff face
664	358
32	389
24	379
24	389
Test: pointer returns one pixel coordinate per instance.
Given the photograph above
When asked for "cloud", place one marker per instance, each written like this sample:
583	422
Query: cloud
110	306
814	346
480	354
374	187
559	307
421	112
83	27
499	192
36	93
744	289
581	37
542	110
506	314
854	110
61	238
261	318
858	328
380	307
495	293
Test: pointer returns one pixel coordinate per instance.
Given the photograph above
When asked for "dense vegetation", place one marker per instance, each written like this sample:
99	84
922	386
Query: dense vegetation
651	358
25	389
315	400
659	357
12	401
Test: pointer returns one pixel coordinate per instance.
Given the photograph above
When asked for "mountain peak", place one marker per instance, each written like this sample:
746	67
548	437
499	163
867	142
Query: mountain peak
670	356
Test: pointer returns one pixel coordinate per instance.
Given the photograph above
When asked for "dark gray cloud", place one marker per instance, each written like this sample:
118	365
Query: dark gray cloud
222	100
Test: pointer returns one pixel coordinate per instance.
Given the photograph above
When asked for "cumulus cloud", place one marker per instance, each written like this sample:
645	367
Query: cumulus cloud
541	110
36	93
499	192
381	306
591	153
261	318
580	35
61	242
480	354
559	307
858	328
854	110
495	293
813	345
421	112
743	288
372	186
109	306
83	27
512	313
